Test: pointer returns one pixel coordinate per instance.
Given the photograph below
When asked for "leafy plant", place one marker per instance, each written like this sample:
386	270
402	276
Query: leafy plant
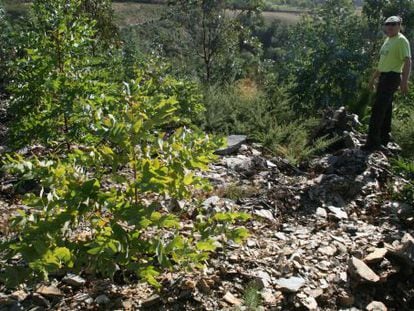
405	168
328	57
58	86
5	48
403	124
114	191
212	38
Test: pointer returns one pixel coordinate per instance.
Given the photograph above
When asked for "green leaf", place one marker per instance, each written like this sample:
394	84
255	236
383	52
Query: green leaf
149	274
137	126
188	179
63	254
208	245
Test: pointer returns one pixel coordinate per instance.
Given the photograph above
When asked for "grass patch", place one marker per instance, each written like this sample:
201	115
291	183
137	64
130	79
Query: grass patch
236	192
252	297
129	14
14	9
289	18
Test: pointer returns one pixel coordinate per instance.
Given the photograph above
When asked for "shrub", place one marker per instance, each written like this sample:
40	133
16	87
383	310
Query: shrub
403	124
58	86
244	108
114	191
329	57
5	48
270	121
405	168
127	152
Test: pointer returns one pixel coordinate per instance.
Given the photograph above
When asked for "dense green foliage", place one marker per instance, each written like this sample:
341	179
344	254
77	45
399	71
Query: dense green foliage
126	151
105	188
5	48
329	57
403	124
57	86
405	169
121	117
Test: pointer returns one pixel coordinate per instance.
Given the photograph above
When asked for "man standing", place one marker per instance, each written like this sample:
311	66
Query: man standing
393	71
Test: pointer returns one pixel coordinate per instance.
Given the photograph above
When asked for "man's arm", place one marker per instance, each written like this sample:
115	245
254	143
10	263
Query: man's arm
374	77
405	75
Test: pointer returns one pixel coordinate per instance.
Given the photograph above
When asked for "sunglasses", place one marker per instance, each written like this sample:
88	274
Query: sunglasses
391	24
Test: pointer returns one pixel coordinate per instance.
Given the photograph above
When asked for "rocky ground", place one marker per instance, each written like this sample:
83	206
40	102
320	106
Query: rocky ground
324	236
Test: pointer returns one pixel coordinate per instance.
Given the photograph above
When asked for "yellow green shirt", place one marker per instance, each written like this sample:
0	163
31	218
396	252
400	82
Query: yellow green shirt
393	53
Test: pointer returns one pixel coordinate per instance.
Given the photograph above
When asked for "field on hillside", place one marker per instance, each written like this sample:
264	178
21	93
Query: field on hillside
130	13
285	17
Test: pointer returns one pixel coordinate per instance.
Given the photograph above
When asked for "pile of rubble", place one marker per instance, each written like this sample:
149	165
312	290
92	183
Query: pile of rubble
323	237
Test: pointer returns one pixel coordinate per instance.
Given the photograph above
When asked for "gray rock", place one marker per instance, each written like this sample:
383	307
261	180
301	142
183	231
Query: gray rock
351	141
309	303
338	213
40	300
229	298
336	123
345	299
359	269
19	295
327	250
128	304
247	166
292	284
234	142
79	297
376	256
321	212
74	280
263	279
281	236
265	214
406	214
406	250
102	299
210	202
49	291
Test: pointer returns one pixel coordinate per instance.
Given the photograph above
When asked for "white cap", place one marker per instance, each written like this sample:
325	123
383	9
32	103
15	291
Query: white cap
393	19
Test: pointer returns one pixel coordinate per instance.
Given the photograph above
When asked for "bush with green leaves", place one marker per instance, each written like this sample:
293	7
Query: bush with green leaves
63	84
114	192
102	13
403	124
5	48
158	79
212	40
98	207
328	57
405	169
58	86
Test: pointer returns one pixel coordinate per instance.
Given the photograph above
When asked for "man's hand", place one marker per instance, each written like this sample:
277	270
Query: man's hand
405	75
371	85
404	87
373	81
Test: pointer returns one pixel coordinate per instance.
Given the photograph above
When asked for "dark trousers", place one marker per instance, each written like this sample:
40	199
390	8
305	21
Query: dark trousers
380	123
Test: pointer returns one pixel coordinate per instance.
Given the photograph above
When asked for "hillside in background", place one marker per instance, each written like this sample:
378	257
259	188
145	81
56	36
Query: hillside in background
136	12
